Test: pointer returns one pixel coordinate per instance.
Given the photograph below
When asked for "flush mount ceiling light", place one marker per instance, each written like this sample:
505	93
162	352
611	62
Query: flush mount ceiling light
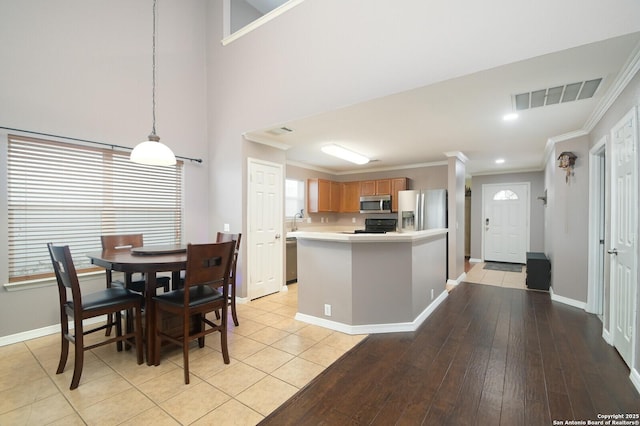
153	152
510	117
500	161
344	154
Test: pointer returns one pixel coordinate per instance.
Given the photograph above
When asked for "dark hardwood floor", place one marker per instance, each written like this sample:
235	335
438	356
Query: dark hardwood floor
488	355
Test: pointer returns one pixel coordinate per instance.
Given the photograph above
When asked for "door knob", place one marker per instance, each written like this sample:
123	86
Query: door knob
612	251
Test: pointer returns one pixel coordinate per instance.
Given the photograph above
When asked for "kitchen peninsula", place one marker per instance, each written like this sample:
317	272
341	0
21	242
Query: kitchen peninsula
370	283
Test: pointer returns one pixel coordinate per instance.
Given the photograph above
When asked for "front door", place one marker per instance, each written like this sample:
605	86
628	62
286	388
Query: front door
265	227
624	221
506	222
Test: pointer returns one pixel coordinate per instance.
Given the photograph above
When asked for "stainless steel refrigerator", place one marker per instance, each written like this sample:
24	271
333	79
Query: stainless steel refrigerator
422	209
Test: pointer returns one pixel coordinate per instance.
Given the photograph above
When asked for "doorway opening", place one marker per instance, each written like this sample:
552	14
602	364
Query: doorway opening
597	227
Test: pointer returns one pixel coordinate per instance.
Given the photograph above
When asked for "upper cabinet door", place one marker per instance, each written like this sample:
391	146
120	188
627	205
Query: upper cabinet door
368	187
383	187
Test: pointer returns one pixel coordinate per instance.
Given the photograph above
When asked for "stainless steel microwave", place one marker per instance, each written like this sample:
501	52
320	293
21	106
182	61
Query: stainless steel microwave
375	204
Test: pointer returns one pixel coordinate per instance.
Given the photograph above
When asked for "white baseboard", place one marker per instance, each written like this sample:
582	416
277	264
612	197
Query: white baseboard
457	281
474	260
567	301
44	331
606	336
375	328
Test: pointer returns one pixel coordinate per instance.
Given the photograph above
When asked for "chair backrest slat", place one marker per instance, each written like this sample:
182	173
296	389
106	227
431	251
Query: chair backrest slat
208	264
226	236
66	274
121	242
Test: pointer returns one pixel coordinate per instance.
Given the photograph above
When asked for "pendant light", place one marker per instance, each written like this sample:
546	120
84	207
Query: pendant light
153	152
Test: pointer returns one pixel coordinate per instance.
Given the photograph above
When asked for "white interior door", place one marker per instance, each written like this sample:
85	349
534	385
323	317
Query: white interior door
624	221
265	224
506	222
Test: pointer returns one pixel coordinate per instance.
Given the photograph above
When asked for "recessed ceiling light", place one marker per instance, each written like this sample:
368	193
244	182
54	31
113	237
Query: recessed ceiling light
344	154
510	117
500	161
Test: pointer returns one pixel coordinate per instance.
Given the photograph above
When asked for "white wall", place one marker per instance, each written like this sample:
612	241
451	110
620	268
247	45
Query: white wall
83	69
569	223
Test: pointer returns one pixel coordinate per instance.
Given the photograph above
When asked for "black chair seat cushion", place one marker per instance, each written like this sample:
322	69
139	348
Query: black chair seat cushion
138	283
198	295
107	297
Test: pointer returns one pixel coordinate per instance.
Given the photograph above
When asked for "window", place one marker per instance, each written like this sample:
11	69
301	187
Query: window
293	197
504	195
243	16
72	194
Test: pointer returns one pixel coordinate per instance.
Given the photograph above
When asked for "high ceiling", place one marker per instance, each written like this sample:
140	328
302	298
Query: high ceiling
463	114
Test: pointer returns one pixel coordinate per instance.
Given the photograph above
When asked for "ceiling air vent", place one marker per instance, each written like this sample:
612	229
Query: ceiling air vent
555	95
279	131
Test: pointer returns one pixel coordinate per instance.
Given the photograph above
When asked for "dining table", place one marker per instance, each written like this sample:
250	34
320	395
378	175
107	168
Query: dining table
149	260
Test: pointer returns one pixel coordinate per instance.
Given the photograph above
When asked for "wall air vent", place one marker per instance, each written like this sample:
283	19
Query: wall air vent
555	95
279	131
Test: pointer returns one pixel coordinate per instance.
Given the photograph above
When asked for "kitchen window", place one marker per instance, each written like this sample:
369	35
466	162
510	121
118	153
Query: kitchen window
72	194
293	197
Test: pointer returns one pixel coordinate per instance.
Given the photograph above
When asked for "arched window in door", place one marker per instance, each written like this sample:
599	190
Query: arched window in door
504	195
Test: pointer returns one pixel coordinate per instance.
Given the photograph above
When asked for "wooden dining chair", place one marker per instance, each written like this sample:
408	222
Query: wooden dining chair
207	271
112	300
135	282
220	238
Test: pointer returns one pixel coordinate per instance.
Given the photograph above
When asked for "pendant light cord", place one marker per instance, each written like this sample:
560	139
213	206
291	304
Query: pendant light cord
153	72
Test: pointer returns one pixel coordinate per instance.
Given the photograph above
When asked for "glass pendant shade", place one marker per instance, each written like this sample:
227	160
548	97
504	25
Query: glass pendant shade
153	153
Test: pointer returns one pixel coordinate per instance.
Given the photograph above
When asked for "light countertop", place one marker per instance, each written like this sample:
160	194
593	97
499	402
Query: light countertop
350	237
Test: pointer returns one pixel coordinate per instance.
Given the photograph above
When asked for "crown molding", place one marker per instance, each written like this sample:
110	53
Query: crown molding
311	167
457	154
370	170
266	141
629	70
507	172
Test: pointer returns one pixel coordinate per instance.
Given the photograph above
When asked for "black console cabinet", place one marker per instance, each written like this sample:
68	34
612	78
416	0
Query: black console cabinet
538	271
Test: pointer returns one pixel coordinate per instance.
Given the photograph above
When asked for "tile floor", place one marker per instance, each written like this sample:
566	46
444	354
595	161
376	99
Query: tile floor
272	357
479	275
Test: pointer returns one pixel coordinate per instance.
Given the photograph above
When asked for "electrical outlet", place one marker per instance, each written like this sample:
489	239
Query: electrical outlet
327	310
308	220
226	227
353	220
431	294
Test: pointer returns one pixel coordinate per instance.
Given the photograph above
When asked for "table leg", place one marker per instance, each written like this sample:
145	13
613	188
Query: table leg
149	318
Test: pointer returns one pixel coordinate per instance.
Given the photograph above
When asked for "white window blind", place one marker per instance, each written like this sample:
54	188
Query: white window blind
73	194
293	197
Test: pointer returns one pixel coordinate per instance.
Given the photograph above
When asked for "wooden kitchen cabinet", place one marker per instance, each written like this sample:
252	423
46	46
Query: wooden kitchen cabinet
383	187
397	184
350	197
323	196
335	196
375	187
368	187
